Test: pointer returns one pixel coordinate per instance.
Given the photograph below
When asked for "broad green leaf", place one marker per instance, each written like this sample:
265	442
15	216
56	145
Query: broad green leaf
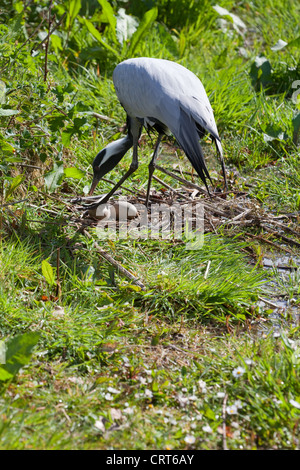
8	112
56	43
273	132
294	42
66	138
18	352
4	374
73	172
98	36
54	177
154	386
48	272
260	72
147	20
19	6
5	147
109	15
74	8
208	412
16	181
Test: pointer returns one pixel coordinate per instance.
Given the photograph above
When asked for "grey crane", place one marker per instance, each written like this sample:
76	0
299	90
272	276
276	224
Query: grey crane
166	96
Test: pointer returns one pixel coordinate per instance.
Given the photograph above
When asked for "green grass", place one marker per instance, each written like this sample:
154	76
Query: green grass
116	367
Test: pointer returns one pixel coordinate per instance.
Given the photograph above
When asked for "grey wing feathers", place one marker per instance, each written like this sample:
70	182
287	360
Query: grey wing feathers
187	137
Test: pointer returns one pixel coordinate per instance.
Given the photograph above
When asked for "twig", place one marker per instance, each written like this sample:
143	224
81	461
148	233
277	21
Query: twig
50	32
58	284
168	186
267	302
237	217
103	117
224	422
47	43
285	227
275	245
13	203
182	180
39	208
279	235
123	271
25	165
36	221
215	210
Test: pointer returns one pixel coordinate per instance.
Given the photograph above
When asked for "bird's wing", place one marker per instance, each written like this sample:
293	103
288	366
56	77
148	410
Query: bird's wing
186	135
201	111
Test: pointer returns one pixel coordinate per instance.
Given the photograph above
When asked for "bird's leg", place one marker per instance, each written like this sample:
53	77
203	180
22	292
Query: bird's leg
151	167
224	173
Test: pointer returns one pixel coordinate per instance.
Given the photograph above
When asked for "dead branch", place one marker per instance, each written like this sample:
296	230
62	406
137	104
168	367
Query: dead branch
123	271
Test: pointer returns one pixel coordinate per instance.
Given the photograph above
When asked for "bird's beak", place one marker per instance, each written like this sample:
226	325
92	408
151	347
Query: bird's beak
93	186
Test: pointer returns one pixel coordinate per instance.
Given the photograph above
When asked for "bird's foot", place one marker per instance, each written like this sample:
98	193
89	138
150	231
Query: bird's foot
94	205
87	202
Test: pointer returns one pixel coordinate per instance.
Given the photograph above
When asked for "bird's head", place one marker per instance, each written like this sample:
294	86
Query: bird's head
108	158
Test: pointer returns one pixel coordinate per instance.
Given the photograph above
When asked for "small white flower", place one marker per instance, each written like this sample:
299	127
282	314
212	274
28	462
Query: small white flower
231	410
220	394
190	439
115	414
142	380
238	372
202	385
193	397
129	410
100	425
249	362
238	404
182	400
148	393
207	428
113	390
108	396
295	403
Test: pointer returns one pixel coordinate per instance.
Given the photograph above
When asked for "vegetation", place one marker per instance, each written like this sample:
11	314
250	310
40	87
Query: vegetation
206	356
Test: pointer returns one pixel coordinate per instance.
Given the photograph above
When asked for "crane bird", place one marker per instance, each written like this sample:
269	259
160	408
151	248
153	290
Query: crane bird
166	96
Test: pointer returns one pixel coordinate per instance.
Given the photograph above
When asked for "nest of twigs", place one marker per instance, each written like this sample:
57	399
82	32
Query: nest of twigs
233	210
